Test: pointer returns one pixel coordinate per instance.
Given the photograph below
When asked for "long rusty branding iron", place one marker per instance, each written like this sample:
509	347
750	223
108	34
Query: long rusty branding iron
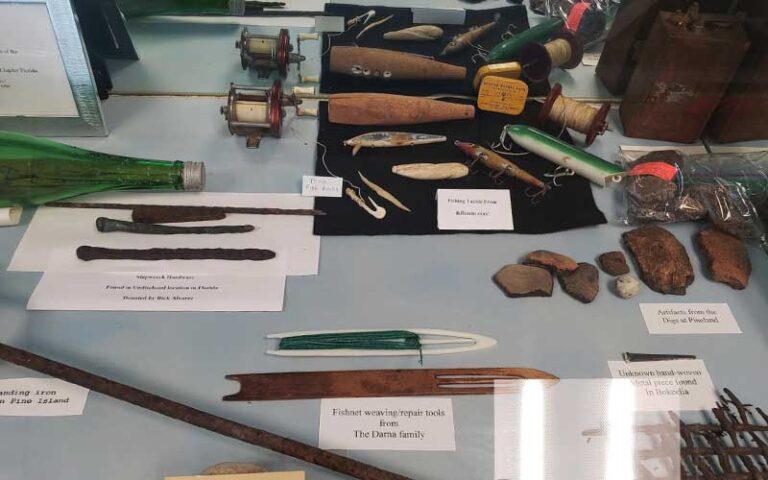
376	383
192	416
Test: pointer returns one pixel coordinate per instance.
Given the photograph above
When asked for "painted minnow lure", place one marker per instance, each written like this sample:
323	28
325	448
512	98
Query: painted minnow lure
391	139
498	164
463	40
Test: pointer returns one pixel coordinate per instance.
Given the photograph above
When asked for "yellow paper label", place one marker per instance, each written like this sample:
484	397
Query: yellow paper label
502	95
246	476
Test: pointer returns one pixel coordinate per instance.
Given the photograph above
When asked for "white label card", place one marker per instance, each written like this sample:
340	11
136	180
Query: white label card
312	186
678	318
41	397
158	292
469	209
668	385
33	81
387	424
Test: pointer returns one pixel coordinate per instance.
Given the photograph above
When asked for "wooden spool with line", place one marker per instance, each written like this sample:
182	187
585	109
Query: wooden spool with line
581	117
564	51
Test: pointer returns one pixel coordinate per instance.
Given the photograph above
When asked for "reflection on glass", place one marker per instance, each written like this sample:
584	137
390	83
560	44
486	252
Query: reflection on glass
533	428
620	426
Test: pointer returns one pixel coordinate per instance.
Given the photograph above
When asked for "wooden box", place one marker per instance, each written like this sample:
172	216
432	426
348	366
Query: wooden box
686	65
743	113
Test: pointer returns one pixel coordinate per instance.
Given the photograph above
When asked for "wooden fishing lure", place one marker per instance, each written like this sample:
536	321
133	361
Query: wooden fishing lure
420	33
498	164
382	64
463	40
383	109
391	139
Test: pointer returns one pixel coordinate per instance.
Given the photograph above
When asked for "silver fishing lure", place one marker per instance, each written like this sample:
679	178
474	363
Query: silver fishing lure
391	139
463	40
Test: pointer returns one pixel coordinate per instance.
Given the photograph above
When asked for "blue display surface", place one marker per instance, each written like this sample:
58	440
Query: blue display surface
364	282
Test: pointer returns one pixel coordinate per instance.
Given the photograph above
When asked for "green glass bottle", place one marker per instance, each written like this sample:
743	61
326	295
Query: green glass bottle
139	8
36	170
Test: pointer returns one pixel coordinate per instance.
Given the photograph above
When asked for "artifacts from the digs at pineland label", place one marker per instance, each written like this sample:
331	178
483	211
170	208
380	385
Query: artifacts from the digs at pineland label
431	171
463	40
726	257
391	139
419	33
582	284
374	343
362	62
183	213
661	259
384	109
198	418
376	383
613	263
524	281
104	224
89	253
497	164
36	170
589	166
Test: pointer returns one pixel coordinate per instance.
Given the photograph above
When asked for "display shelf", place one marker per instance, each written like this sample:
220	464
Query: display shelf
364	282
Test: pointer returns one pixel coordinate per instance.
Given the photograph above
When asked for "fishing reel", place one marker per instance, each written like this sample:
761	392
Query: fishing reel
269	53
254	112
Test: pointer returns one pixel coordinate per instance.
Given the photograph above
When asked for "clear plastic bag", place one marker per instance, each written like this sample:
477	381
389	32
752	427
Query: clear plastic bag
729	190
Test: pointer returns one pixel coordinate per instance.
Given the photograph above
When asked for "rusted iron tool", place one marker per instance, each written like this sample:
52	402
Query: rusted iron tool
376	383
183	213
198	418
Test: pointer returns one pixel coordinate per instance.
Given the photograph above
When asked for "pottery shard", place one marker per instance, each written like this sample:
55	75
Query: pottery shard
524	281
583	284
613	263
661	259
726	257
551	261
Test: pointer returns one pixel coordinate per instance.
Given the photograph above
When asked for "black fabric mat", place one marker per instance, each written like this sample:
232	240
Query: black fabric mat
566	207
515	18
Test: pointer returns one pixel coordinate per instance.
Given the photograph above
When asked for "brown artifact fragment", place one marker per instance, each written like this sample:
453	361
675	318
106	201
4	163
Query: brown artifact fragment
391	65
105	224
233	468
524	281
386	109
613	263
375	383
550	260
198	418
661	259
582	284
88	253
726	257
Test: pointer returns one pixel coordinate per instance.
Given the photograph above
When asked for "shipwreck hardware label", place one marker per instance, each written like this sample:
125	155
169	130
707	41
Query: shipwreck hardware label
677	318
41	397
33	81
158	292
474	209
312	186
387	424
668	385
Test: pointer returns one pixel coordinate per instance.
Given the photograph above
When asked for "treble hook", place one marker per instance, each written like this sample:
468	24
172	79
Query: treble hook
559	173
509	33
482	56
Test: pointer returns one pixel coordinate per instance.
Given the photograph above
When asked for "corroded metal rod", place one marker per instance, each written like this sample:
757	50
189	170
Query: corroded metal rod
104	224
198	418
88	253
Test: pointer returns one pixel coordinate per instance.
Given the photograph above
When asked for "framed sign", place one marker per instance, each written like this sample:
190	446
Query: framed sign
46	85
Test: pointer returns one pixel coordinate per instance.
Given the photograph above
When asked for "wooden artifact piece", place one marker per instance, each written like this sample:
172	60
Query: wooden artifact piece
419	33
661	259
376	383
391	65
198	418
384	109
686	65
